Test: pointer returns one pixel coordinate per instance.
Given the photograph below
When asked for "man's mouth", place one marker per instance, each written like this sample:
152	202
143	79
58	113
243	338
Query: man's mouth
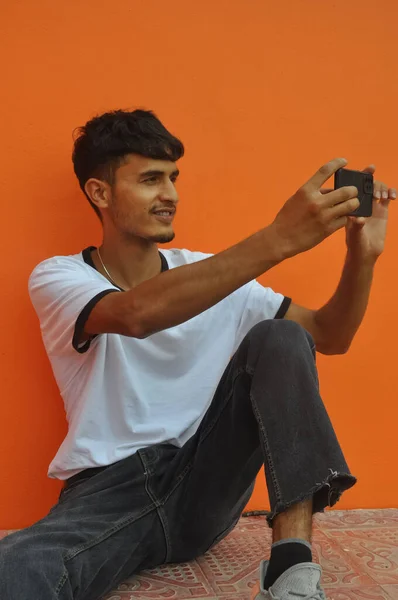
166	216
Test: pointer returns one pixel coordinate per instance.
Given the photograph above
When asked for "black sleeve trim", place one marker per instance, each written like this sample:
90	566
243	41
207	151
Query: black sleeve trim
284	307
82	320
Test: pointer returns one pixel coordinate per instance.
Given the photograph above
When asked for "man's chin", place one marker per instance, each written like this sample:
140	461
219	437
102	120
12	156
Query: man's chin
155	238
163	238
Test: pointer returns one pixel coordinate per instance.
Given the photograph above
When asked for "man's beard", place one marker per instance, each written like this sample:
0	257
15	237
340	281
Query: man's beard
120	224
163	239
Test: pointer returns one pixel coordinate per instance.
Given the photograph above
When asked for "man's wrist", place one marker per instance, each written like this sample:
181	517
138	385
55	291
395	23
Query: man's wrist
281	248
360	260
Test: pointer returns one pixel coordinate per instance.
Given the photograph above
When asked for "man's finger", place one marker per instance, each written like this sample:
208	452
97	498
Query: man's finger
338	196
370	169
326	190
378	188
344	209
358	222
324	173
338	224
385	202
384	192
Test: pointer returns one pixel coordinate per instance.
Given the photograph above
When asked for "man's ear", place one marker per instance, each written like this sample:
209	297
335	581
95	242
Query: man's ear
98	192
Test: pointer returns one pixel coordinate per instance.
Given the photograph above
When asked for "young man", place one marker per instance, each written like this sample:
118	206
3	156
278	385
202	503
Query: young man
166	433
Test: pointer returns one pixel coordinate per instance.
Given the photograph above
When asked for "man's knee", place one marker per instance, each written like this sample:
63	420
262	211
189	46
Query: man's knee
281	335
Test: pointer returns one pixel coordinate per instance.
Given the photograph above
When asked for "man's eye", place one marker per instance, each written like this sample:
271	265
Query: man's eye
151	180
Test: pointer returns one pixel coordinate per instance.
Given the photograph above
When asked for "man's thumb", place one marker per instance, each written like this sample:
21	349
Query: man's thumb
358	222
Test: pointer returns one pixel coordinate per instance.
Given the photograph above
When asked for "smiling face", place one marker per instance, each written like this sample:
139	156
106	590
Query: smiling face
141	201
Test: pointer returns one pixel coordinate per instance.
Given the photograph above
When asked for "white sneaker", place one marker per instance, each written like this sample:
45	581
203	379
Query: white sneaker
300	582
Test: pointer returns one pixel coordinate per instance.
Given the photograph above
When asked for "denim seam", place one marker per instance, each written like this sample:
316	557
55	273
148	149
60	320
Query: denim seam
61	582
147	463
147	473
157	504
268	455
178	481
117	527
163	521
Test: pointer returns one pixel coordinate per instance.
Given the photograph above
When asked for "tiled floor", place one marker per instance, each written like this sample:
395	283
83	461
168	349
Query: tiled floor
358	551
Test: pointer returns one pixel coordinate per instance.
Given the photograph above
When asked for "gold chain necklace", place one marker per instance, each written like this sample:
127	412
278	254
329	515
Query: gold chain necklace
107	272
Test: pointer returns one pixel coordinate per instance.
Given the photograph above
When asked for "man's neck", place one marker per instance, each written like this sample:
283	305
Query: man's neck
129	262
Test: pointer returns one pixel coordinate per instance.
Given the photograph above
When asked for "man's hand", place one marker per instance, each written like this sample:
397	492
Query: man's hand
334	326
366	236
312	214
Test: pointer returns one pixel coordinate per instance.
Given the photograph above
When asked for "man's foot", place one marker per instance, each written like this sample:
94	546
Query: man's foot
301	582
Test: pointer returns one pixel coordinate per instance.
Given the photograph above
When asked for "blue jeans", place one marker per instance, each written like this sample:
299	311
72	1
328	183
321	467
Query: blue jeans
166	504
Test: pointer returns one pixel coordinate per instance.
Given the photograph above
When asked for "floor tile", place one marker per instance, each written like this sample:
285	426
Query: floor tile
183	581
352	519
392	591
232	566
362	593
338	569
374	551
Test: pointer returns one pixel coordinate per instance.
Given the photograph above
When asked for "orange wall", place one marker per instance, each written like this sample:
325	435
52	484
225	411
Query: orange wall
262	93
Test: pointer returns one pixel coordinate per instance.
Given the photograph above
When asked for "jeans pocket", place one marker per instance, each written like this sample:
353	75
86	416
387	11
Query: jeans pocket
67	489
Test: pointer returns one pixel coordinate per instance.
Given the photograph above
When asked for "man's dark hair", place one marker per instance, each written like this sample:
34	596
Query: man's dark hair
103	142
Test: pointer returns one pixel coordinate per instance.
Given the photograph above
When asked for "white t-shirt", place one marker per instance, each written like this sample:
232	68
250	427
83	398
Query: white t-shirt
120	393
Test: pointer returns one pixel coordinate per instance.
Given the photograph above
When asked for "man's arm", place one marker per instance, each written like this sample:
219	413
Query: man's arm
334	326
175	296
181	293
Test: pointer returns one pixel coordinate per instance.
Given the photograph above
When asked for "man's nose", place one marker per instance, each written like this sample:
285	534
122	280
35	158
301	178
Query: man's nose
169	193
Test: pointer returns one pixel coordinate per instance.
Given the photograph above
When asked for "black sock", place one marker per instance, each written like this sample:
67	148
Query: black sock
285	554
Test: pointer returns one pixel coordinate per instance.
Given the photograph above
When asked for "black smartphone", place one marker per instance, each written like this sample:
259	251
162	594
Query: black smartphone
363	182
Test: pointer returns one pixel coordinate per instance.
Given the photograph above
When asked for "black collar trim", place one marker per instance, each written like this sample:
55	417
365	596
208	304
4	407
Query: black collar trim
86	253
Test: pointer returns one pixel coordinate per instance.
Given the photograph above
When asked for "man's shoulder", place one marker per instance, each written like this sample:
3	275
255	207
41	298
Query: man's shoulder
70	263
181	256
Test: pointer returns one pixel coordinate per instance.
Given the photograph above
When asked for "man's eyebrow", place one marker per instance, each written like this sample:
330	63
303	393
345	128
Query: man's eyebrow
157	173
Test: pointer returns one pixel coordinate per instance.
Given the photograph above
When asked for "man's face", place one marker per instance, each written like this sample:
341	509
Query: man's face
144	198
